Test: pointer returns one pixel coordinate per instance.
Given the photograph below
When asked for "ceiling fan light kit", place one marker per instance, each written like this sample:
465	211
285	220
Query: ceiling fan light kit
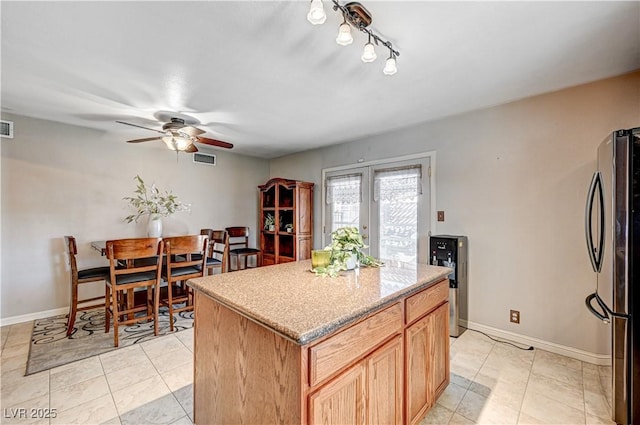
177	143
356	15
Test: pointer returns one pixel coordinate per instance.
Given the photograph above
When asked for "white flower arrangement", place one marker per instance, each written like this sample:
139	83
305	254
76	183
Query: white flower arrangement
149	200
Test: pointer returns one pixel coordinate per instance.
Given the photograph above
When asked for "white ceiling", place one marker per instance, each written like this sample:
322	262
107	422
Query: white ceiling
259	75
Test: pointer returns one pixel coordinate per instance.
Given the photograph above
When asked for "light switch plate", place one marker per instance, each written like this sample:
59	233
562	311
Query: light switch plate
440	215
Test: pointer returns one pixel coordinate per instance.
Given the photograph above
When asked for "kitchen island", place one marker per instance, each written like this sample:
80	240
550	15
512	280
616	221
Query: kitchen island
279	345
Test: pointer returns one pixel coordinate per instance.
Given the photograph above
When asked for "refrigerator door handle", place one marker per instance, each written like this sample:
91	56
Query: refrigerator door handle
600	315
595	254
606	313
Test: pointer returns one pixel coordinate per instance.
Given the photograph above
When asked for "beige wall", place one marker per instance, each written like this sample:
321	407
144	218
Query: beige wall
62	180
513	178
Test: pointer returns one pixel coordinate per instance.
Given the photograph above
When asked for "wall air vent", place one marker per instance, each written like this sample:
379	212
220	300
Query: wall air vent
204	158
6	129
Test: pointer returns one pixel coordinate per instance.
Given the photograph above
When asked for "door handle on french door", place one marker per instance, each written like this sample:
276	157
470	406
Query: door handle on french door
595	254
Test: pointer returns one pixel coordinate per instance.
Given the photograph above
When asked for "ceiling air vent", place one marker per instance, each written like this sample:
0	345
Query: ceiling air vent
204	158
6	129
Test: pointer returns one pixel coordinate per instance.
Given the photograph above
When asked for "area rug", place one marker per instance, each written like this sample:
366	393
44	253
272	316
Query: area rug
50	346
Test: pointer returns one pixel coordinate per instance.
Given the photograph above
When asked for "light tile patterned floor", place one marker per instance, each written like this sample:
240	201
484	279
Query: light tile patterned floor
495	383
491	383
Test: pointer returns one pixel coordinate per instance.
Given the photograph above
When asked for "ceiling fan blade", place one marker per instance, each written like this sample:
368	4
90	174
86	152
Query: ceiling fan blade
148	139
191	131
191	149
139	126
214	142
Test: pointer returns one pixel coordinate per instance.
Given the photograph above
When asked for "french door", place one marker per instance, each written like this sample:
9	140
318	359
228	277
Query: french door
389	202
346	201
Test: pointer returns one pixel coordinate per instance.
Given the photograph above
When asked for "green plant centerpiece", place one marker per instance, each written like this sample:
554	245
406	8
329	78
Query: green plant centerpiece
151	201
345	243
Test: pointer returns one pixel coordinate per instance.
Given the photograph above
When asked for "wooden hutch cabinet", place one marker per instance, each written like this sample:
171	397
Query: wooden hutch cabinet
288	204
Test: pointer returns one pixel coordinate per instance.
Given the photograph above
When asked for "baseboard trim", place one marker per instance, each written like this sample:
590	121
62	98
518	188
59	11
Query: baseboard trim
585	356
33	316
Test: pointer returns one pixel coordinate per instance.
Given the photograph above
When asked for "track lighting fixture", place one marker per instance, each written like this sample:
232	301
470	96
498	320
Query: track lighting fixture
355	15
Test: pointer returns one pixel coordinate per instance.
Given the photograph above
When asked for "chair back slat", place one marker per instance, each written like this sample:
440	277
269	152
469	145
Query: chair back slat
179	249
72	251
127	250
219	245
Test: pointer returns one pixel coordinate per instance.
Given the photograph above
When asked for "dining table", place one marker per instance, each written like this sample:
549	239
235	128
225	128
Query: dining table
100	246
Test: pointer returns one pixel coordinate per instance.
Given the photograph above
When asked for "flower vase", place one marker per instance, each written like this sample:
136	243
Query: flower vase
352	261
154	226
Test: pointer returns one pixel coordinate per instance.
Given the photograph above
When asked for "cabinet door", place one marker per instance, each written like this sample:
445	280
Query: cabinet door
427	361
384	381
439	336
342	401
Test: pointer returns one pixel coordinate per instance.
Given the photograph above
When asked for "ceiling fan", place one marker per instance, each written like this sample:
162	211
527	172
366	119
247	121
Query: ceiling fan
179	136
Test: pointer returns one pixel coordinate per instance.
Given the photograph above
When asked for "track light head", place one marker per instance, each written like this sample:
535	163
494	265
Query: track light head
316	13
344	34
369	52
390	66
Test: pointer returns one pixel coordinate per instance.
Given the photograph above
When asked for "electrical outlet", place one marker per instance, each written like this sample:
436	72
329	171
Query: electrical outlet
440	215
514	316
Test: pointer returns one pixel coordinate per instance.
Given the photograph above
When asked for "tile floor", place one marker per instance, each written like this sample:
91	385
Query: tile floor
491	383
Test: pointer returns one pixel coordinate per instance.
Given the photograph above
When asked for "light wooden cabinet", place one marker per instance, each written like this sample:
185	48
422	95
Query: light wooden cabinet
290	204
427	362
385	384
342	401
371	390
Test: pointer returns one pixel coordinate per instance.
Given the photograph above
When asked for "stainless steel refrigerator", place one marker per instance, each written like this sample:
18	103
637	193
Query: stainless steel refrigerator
612	225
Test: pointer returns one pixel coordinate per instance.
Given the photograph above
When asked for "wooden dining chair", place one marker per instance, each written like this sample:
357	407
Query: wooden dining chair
185	258
79	277
239	247
218	255
135	274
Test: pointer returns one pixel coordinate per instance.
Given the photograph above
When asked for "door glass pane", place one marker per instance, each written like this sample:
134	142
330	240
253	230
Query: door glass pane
396	191
344	195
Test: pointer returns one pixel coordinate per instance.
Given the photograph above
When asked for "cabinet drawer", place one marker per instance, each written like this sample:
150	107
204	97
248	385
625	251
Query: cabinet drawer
426	300
333	354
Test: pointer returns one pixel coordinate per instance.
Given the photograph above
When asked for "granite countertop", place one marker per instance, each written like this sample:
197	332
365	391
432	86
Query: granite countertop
293	301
